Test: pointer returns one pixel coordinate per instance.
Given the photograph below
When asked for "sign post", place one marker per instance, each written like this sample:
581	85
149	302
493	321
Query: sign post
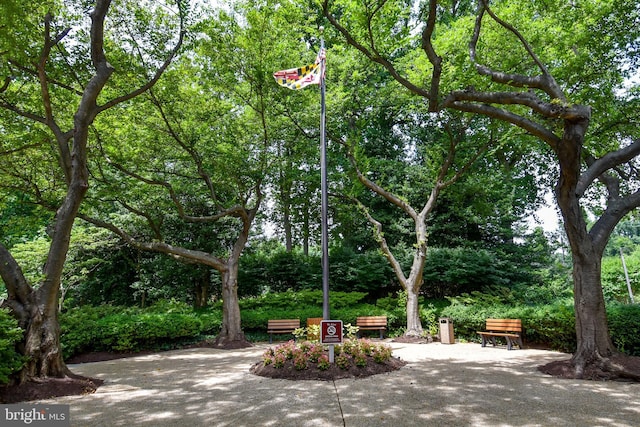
331	334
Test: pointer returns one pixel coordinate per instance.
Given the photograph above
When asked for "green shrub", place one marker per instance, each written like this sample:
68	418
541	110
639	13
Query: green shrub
549	324
79	331
309	298
111	328
125	332
624	327
10	360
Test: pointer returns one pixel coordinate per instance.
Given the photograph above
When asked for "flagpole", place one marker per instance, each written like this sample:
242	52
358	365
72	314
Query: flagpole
323	189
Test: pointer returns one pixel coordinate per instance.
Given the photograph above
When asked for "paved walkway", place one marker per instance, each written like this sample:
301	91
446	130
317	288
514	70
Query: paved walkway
443	385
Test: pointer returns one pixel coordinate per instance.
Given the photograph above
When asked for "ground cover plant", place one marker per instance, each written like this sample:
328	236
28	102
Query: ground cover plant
309	360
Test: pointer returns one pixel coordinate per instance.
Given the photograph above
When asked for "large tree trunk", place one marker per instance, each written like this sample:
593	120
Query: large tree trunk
231	335
42	344
594	343
36	309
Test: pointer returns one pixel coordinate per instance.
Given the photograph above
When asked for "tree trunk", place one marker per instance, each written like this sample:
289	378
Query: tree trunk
42	344
414	325
286	221
201	290
594	343
414	283
305	230
231	335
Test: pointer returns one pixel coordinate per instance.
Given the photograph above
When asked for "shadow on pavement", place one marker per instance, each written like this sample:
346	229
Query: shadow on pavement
455	385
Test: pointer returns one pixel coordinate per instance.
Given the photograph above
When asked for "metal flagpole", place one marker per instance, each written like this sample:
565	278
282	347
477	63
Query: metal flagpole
323	189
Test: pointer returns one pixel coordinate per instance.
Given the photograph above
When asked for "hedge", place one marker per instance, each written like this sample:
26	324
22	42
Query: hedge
167	324
552	325
10	360
125	329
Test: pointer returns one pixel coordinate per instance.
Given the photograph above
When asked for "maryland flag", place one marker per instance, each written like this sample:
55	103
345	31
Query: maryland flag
298	78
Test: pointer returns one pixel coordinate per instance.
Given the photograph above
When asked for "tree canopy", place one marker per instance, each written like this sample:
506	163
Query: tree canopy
447	122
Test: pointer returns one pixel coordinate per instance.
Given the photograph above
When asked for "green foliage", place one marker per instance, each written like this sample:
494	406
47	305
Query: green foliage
346	306
20	219
277	271
552	325
269	269
10	360
624	327
288	299
429	317
614	285
549	324
450	271
114	328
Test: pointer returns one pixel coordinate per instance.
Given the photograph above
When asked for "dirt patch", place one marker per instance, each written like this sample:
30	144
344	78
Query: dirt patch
413	340
48	388
289	372
625	368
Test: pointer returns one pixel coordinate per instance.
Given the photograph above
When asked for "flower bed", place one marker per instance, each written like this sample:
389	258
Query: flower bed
309	360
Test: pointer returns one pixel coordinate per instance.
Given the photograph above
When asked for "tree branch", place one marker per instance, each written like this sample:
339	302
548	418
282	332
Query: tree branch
379	236
434	58
18	289
597	167
158	73
372	54
498	113
180	253
546	82
616	210
390	197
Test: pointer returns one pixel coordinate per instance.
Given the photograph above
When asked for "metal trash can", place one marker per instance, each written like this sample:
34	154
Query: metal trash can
446	331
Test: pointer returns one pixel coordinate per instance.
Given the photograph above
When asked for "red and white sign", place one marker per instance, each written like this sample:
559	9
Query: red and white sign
331	332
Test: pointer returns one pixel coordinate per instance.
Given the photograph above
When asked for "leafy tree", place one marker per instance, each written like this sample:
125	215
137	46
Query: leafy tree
444	165
55	71
195	188
540	67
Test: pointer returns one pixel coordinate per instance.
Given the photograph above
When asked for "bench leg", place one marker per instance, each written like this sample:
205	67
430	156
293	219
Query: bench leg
381	334
484	341
509	345
270	338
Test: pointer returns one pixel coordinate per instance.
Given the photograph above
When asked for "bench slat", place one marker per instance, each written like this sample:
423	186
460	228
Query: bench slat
372	323
513	325
281	326
510	329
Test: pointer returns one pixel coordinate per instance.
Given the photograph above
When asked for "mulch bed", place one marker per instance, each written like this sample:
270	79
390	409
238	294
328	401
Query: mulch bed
289	372
564	369
48	388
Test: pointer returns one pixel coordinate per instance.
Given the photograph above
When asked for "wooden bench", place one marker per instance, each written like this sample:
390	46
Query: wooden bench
281	326
372	323
509	329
